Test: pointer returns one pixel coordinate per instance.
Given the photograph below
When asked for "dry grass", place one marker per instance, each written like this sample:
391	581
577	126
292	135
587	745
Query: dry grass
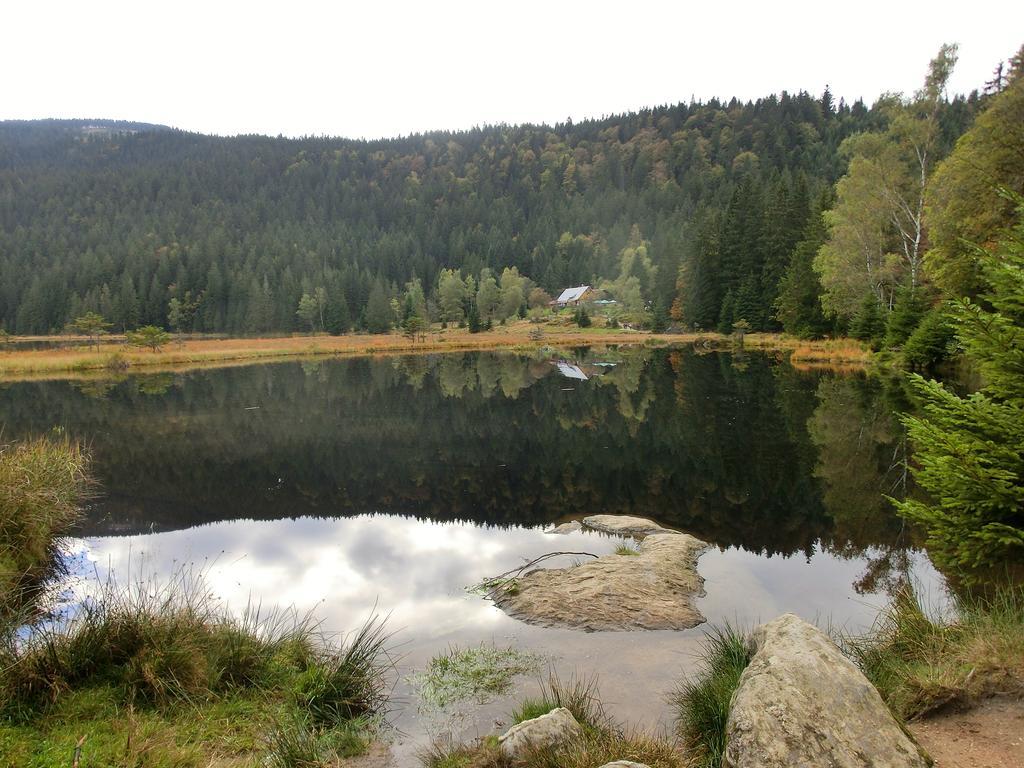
209	352
42	482
921	664
197	353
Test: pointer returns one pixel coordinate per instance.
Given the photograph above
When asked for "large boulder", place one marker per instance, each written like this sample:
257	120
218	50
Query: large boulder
624	525
545	732
653	590
801	702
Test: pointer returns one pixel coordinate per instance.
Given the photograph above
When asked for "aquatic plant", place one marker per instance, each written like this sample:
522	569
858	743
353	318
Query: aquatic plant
478	673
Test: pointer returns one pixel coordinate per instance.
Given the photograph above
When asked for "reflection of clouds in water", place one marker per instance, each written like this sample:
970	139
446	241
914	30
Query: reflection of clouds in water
416	571
745	588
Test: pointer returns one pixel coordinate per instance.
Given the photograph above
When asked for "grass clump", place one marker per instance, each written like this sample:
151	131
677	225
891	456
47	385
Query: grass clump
42	483
578	695
193	677
348	684
921	664
702	704
624	548
299	742
479	673
600	740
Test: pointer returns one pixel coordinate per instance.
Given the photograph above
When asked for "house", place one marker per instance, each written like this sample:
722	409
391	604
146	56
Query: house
571	297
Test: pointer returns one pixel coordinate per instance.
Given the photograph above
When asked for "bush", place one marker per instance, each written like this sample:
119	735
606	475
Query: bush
581	318
868	322
148	336
907	311
931	342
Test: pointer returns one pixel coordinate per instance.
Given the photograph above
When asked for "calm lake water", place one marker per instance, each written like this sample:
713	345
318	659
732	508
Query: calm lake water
350	486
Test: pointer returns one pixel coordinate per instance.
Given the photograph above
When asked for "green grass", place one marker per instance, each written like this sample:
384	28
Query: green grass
626	549
479	673
702	704
921	664
578	695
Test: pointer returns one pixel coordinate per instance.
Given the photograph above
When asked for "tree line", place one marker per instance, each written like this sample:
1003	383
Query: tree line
146	225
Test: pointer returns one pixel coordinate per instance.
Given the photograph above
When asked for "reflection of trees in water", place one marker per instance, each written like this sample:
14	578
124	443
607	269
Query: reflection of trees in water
862	460
721	450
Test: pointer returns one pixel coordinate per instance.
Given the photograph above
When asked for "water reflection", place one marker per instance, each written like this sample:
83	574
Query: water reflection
755	455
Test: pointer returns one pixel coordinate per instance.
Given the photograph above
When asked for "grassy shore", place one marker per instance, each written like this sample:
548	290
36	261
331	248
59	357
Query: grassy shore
158	674
83	359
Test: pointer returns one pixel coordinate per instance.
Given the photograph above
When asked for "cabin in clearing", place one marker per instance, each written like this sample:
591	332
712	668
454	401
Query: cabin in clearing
571	297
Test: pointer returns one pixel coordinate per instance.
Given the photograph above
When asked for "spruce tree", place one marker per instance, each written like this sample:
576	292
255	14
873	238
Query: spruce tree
967	450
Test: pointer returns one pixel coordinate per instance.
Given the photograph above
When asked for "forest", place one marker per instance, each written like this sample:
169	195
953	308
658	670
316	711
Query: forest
699	214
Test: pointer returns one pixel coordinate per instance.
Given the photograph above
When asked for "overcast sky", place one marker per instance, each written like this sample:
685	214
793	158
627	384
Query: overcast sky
369	69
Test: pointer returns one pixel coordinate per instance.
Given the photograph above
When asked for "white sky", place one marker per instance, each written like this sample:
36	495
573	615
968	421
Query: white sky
389	68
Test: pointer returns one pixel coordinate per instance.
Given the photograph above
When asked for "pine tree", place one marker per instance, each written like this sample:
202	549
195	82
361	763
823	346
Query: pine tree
798	306
967	450
379	317
868	322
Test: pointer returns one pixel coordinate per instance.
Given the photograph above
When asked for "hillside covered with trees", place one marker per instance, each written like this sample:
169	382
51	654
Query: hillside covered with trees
709	212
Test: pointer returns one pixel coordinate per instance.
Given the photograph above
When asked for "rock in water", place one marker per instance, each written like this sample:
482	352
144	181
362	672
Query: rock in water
654	590
802	703
624	525
545	732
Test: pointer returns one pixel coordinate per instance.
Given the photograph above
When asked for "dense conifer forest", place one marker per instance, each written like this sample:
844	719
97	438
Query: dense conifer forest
698	214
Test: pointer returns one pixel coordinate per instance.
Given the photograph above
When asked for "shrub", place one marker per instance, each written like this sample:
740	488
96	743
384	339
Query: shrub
931	342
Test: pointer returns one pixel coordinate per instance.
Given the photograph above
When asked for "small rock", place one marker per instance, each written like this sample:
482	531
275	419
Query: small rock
802	703
624	525
545	732
624	764
571	527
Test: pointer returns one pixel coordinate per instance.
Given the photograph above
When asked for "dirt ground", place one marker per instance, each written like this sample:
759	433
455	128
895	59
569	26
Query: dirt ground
989	735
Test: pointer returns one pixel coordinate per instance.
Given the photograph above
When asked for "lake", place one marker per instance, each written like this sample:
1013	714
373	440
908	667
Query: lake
346	487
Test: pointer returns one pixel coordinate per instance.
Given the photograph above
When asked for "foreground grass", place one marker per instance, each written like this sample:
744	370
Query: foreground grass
921	664
160	675
601	741
198	353
702	704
